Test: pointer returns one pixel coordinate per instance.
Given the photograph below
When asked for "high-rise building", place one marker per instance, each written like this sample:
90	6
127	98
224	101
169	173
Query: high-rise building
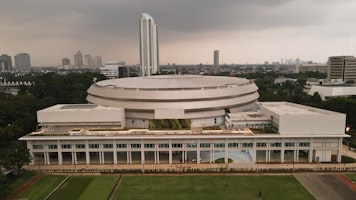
5	62
114	69
97	61
88	61
216	58
342	67
22	61
78	59
149	52
65	61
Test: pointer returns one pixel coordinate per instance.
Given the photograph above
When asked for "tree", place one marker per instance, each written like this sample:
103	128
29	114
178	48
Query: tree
16	155
4	187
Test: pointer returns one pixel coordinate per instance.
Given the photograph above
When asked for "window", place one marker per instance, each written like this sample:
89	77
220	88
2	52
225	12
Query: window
163	145
80	146
66	146
121	146
149	145
135	146
177	145
219	145
261	144
247	144
108	146
37	146
52	146
49	128
276	144
289	144
192	145
233	144
304	144
93	146
204	145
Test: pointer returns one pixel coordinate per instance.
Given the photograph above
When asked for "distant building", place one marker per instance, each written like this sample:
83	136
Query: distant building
78	59
97	61
22	61
5	62
65	61
312	67
88	61
342	67
114	69
149	54
216	58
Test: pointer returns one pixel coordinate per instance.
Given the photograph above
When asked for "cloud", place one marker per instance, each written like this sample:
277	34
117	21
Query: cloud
110	27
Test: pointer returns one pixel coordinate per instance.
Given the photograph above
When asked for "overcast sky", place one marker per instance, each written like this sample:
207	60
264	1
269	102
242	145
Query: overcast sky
244	31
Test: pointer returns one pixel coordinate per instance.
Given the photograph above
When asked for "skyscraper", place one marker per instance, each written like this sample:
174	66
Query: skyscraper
5	62
78	59
216	58
65	61
22	61
88	61
98	61
149	52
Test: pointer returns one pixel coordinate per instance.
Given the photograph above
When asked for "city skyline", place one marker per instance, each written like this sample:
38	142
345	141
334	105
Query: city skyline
245	31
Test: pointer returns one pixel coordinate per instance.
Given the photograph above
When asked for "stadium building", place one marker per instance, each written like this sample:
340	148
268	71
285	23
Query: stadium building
183	118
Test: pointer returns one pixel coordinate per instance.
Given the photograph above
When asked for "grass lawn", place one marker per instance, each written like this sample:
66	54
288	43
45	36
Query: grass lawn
85	188
351	176
21	180
43	187
211	187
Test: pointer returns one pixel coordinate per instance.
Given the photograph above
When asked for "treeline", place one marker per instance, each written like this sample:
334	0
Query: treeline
18	113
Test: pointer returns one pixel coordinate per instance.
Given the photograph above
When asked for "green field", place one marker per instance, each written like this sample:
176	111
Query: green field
43	187
210	187
351	176
86	188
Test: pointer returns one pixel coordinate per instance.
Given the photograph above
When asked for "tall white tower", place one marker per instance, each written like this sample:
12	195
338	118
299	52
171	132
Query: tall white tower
149	54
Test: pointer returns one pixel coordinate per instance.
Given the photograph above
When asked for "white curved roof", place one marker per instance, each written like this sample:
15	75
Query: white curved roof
173	82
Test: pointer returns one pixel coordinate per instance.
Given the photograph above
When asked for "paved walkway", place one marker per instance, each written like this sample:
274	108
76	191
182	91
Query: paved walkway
325	186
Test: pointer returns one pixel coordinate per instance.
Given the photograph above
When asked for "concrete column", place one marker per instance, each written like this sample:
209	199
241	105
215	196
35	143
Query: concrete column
157	157
254	152
142	156
47	158
114	151
339	151
170	152
310	159
87	154
226	152
269	155
103	157
185	156
198	151
73	158
182	153
282	153
59	151
213	154
129	157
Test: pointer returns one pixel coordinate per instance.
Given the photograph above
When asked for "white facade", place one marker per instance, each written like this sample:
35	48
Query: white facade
111	69
199	98
327	91
149	52
93	134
